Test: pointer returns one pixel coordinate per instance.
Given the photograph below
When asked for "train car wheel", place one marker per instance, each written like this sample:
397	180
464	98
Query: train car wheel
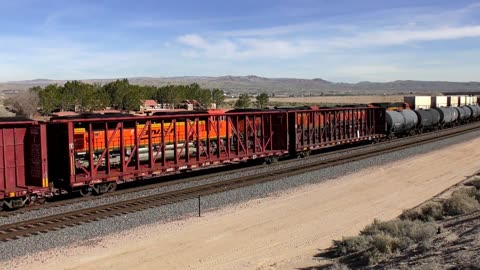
272	159
112	187
85	192
304	154
41	200
12	204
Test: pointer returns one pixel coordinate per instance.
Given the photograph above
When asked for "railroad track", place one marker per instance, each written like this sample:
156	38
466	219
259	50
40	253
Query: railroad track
36	226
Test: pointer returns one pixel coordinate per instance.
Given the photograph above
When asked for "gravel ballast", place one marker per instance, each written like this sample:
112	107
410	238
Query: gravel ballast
117	224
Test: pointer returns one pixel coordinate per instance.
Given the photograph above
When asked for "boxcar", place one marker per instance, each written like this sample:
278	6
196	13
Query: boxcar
316	128
94	154
23	162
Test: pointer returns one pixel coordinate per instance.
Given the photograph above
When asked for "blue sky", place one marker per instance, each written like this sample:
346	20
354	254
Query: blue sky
337	40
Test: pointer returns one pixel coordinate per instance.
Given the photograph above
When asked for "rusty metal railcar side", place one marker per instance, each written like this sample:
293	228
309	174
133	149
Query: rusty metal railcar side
321	128
155	146
23	162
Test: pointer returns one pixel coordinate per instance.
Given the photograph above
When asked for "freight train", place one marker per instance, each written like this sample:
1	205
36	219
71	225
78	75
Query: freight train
93	153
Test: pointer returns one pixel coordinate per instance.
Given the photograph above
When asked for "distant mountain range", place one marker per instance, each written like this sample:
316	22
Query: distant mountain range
280	86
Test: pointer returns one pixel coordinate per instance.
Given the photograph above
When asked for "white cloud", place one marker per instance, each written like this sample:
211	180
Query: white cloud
244	48
378	29
195	41
221	48
276	48
300	28
400	36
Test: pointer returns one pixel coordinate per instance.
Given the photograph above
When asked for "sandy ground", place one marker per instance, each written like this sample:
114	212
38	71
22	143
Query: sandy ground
333	99
340	99
280	232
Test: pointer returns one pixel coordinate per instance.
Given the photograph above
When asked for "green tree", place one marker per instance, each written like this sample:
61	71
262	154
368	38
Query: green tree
95	98
85	97
73	95
243	101
218	97
116	91
262	100
204	97
132	99
166	95
50	98
148	92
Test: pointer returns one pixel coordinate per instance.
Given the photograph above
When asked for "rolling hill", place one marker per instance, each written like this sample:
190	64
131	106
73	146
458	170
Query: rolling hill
280	86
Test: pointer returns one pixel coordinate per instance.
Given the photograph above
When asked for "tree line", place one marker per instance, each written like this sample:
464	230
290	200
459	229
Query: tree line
119	94
244	101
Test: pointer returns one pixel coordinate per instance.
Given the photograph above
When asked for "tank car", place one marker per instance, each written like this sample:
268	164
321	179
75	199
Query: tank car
474	110
401	122
427	120
468	113
461	114
447	116
454	113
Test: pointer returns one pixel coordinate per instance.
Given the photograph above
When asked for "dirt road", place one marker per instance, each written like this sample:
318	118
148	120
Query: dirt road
280	232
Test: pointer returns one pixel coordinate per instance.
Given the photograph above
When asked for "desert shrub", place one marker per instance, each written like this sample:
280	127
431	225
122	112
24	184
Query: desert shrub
411	214
349	245
381	247
384	243
432	211
467	191
338	266
381	239
474	183
407	231
461	202
422	233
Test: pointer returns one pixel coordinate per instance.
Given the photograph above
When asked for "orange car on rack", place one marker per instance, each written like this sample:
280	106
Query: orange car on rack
179	131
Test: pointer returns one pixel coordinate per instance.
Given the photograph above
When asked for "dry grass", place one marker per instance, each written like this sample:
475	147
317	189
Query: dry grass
431	211
338	266
415	229
462	201
380	240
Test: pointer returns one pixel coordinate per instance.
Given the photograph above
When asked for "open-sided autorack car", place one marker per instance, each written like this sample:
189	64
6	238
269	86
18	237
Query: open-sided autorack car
94	154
